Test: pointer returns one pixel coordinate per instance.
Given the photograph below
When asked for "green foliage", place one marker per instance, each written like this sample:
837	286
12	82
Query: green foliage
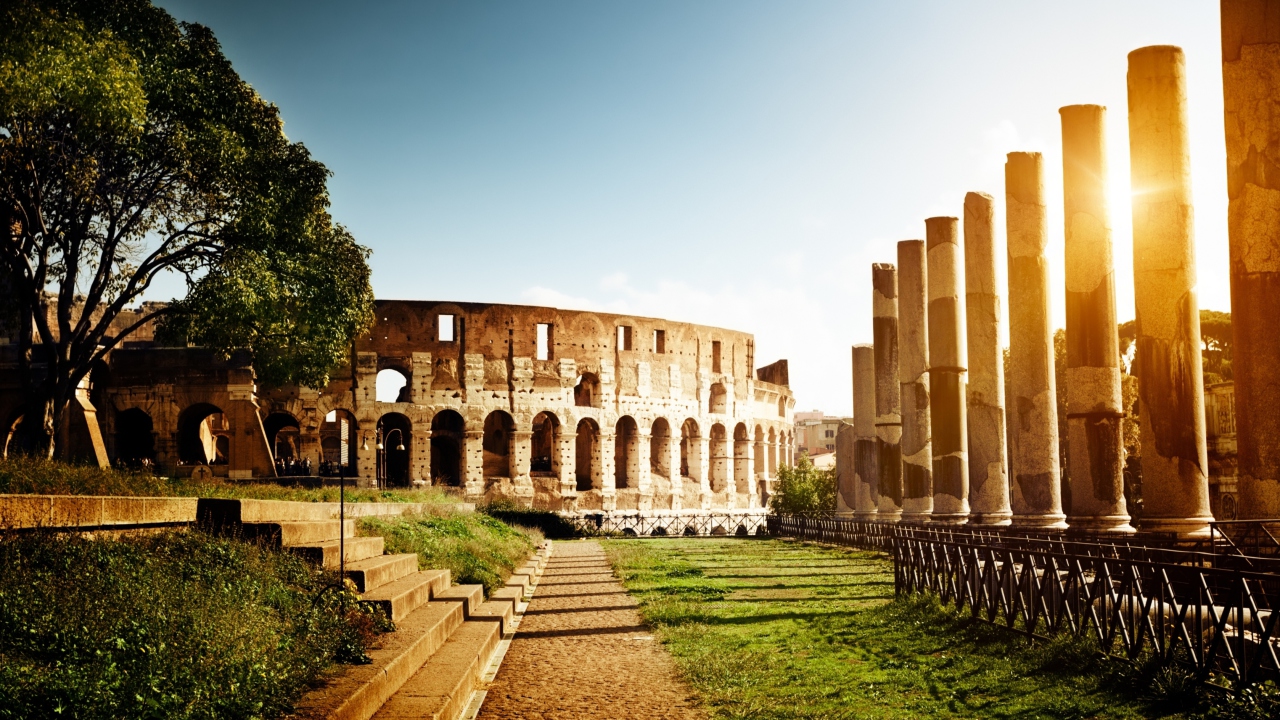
778	629
40	476
130	149
474	547
179	625
804	490
550	524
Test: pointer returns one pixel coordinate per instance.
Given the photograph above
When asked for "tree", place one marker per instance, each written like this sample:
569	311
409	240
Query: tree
130	149
804	490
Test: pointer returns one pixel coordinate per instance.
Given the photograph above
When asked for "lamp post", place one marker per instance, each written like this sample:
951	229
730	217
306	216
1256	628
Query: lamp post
382	463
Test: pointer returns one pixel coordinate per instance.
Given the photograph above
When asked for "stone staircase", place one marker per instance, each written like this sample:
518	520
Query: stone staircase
446	635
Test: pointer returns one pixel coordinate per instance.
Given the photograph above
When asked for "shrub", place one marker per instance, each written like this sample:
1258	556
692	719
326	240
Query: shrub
804	490
180	625
551	524
474	547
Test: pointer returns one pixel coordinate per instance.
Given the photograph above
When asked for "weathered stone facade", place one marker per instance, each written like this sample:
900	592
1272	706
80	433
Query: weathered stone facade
559	409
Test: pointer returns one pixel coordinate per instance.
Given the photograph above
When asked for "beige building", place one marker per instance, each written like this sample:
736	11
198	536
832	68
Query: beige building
816	432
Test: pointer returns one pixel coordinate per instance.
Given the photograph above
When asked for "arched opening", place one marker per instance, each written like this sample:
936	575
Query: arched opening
719	470
395	438
660	448
543	458
203	436
586	392
391	385
499	430
773	452
337	443
690	450
782	407
447	433
759	450
626	453
283	438
719	400
741	460
587	455
134	441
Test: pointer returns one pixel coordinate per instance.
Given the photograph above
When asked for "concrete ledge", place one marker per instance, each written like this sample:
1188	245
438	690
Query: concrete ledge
220	512
18	512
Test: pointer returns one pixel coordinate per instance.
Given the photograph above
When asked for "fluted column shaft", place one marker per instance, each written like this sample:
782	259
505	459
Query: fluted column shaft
988	479
913	374
1033	420
888	391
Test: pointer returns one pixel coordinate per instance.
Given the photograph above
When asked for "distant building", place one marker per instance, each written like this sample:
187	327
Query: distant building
816	432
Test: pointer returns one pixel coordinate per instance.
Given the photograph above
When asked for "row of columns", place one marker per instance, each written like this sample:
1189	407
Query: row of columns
932	390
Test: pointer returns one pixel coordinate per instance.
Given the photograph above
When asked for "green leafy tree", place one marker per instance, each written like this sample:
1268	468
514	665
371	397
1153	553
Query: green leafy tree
804	490
130	149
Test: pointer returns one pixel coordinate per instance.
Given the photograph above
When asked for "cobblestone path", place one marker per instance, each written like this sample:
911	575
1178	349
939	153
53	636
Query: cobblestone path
581	651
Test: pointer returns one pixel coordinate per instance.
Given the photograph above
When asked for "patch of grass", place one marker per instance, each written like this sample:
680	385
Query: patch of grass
777	629
551	524
474	547
179	625
24	475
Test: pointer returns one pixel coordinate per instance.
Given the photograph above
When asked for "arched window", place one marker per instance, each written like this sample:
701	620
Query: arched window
587	455
447	432
544	459
391	385
395	443
719	400
499	429
660	448
586	392
690	449
741	460
719	470
282	437
135	443
626	453
203	436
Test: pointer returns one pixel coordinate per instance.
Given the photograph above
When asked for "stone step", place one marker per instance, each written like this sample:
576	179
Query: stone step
470	596
358	692
289	533
325	554
517	580
375	572
441	688
499	611
401	597
510	595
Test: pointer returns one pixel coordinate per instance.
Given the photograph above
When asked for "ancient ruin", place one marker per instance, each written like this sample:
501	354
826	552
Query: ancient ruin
913	368
949	430
888	392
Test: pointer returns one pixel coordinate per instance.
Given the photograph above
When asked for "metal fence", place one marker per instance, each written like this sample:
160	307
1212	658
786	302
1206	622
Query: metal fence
707	523
1191	607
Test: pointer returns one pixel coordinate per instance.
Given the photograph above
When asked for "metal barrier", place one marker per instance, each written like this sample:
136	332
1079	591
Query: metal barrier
691	524
1134	596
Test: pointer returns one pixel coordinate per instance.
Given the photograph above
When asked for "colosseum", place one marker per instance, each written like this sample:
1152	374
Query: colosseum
557	409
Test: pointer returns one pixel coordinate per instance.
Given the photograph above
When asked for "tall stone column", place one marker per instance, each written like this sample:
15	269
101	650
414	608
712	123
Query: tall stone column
866	491
1095	410
948	362
1251	95
913	376
673	462
888	391
1033	422
1175	486
607	482
473	462
566	446
703	470
643	462
988	464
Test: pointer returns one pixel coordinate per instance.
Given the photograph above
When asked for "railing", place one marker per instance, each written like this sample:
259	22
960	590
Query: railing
707	523
1136	599
1246	540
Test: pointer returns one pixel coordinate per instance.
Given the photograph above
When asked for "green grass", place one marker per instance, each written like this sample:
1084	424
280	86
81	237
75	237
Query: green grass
21	475
179	625
778	629
476	548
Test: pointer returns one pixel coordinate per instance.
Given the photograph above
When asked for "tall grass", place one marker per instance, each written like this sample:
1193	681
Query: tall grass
179	625
24	475
474	547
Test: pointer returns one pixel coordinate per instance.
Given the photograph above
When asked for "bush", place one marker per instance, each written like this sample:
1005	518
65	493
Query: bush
180	625
551	524
474	547
804	490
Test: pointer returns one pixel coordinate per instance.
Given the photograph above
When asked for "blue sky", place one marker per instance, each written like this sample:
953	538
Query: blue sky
725	162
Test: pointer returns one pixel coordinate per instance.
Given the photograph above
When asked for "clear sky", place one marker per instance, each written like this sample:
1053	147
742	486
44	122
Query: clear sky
725	162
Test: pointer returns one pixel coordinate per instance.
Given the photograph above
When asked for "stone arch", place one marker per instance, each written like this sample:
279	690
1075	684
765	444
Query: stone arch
660	448
338	433
718	400
499	434
626	453
282	430
391	385
448	431
544	459
759	451
719	470
741	460
135	439
586	391
395	447
587	455
690	448
203	436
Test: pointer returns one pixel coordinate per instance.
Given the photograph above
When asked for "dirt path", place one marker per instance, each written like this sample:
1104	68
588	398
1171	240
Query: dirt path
582	652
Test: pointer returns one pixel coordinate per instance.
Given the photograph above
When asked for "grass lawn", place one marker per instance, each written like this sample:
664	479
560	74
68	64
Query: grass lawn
780	629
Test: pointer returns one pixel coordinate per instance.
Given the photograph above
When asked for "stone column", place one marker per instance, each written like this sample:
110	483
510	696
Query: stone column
703	470
1033	422
521	456
753	496
566	449
948	362
1095	410
473	462
1175	487
606	482
913	375
865	488
888	392
643	483
1251	95
673	462
988	474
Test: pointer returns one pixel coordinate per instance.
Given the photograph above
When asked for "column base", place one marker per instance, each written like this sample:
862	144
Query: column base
995	519
949	519
1193	528
915	518
865	515
1110	524
889	516
1055	521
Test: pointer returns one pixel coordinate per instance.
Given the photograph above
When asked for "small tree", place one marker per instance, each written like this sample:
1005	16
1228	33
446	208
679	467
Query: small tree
130	149
804	490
